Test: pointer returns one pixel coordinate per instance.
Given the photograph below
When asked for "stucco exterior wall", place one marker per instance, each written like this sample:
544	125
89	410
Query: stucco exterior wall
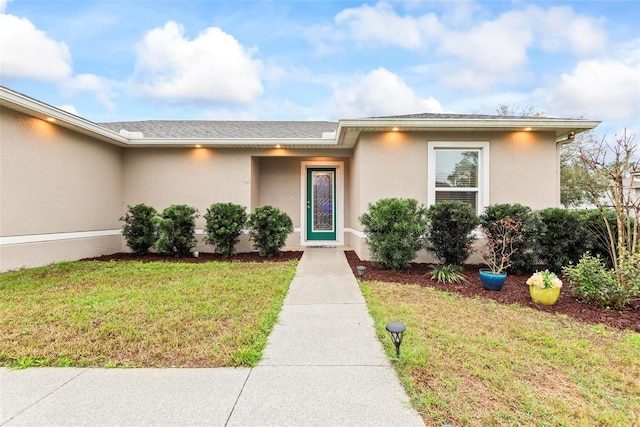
53	180
197	177
280	180
279	185
523	169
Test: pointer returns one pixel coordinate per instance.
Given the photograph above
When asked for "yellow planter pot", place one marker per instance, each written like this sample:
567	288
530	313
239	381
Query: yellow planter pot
546	296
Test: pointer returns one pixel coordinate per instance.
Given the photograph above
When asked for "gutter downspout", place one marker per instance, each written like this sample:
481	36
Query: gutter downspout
559	143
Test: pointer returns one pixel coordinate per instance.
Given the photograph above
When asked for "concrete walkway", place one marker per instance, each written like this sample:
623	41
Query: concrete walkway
322	367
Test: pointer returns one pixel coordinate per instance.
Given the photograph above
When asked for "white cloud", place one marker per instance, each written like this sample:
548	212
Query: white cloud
69	109
366	24
559	29
491	52
497	51
474	51
3	5
606	89
99	86
29	53
213	67
381	93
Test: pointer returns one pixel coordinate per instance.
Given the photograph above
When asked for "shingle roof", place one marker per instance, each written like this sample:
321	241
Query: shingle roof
224	129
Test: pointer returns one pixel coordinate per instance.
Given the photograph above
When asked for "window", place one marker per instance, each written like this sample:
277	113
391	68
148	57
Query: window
459	171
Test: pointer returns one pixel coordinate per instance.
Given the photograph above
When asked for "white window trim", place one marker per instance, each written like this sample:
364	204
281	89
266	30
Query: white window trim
483	169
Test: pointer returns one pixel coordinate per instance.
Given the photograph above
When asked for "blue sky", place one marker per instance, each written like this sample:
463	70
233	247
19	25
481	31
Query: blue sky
119	60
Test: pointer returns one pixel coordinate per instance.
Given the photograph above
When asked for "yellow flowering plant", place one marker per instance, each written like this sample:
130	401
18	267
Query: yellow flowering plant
544	279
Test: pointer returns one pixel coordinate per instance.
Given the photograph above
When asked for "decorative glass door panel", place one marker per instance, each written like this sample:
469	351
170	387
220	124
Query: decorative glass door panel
321	204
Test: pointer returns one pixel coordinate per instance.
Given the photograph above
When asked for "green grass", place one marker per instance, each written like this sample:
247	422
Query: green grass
133	314
474	362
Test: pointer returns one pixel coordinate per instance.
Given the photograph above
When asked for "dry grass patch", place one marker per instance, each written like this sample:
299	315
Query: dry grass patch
473	362
136	314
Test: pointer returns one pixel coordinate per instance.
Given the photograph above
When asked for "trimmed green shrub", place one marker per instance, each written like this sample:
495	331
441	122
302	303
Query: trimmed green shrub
176	227
224	224
593	283
139	228
561	240
524	258
595	236
395	230
449	231
268	229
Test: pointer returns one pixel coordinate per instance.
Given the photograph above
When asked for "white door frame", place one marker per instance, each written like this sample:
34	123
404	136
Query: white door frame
339	165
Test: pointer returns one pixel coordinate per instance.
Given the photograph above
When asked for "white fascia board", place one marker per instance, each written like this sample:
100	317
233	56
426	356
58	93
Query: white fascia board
471	123
40	110
233	142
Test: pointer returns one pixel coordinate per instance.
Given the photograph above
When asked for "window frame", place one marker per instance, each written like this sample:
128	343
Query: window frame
483	169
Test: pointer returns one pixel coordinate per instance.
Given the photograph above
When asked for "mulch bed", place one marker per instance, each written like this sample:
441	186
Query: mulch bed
203	257
514	291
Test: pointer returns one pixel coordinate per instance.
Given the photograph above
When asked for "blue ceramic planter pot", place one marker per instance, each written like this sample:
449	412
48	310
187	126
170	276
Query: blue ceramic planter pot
492	281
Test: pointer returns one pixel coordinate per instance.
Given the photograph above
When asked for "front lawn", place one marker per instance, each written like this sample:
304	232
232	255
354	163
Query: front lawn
135	314
474	362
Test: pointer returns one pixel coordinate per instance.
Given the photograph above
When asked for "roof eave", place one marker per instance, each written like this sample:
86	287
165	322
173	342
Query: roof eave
235	142
34	108
562	127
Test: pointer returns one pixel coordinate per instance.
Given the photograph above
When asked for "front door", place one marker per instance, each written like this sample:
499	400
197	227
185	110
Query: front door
321	204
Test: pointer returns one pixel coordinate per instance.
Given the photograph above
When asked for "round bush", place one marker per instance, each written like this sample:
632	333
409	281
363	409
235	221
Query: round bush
561	240
594	283
595	237
268	229
224	224
395	230
449	232
177	230
139	229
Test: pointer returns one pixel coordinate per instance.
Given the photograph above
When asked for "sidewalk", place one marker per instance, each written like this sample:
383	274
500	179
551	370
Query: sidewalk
322	366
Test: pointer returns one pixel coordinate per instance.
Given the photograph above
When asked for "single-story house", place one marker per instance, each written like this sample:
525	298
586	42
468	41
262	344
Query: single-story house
65	181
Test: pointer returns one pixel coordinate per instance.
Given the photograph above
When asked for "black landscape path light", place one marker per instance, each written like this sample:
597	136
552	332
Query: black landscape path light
396	329
361	269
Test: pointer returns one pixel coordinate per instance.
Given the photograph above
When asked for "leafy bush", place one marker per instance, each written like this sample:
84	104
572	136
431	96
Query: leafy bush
593	283
525	243
268	229
139	228
449	231
177	230
595	237
394	229
224	224
561	240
